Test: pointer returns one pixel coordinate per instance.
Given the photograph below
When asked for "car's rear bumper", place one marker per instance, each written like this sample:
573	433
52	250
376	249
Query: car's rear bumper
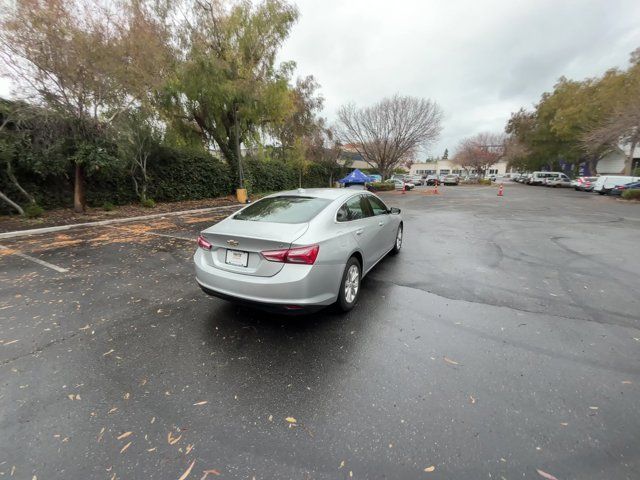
293	286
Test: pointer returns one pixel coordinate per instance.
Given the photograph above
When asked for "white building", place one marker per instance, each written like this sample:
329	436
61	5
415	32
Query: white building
445	167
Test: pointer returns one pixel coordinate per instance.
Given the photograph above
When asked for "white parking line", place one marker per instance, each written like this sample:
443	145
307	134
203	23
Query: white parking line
37	260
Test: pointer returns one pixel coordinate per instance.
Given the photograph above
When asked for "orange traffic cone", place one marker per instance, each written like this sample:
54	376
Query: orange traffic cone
501	191
404	188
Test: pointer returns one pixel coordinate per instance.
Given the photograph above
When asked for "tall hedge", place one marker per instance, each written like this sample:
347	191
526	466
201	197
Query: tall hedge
174	174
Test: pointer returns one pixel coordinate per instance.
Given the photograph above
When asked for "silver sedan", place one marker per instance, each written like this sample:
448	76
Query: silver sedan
298	251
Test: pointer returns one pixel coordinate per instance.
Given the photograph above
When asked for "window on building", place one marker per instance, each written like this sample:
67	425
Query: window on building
444	171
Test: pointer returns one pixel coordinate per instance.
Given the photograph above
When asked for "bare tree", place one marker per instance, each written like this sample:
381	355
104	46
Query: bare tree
480	151
323	148
622	128
390	131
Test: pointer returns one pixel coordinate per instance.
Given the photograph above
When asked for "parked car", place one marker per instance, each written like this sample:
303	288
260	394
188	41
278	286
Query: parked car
415	179
606	183
298	251
560	181
431	179
399	184
619	189
581	182
375	177
451	180
538	178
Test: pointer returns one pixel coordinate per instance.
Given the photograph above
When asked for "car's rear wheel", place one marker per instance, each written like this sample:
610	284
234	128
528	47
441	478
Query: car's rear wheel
398	243
350	285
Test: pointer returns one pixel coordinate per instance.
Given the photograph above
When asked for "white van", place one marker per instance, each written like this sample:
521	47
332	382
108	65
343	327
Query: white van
605	183
537	178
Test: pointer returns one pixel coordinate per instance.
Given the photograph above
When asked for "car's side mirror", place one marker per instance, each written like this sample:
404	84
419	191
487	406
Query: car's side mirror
394	211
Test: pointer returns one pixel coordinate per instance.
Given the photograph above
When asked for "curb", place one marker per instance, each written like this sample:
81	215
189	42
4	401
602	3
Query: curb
60	228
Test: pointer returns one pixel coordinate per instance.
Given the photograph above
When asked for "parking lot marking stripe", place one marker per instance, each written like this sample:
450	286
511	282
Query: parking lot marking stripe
37	260
59	228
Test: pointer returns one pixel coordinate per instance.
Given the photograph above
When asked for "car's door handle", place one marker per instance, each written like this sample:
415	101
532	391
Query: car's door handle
359	231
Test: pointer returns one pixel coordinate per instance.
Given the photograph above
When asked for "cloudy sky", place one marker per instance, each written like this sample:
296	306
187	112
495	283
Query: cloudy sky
480	60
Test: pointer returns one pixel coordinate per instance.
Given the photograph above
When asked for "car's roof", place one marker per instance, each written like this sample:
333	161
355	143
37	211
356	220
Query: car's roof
328	193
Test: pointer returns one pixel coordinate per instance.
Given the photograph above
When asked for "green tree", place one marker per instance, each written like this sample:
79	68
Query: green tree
88	61
138	134
228	88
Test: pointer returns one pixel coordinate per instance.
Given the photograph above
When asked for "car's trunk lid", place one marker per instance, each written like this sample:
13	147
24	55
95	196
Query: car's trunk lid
250	237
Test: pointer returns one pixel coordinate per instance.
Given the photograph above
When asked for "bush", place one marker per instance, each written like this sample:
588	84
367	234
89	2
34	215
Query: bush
631	194
484	181
108	206
382	186
148	203
33	211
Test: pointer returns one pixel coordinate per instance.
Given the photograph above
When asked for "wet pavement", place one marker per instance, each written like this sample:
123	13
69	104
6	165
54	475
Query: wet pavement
502	342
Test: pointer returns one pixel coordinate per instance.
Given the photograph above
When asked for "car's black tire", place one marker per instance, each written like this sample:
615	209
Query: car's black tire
398	242
345	299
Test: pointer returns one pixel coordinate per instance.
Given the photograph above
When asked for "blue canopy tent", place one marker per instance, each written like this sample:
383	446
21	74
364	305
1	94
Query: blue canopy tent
356	177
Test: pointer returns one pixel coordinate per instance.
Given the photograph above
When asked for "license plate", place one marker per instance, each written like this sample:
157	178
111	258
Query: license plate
237	258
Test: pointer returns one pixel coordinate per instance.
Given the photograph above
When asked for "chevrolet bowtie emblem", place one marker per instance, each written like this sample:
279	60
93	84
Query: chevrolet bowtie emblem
233	243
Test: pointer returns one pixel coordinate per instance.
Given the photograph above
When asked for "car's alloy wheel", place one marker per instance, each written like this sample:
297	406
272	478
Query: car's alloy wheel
398	243
350	286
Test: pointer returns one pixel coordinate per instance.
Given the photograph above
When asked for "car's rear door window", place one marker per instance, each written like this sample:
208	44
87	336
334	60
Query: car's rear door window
353	209
283	209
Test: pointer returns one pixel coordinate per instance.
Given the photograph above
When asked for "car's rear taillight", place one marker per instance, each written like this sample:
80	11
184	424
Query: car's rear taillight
202	243
303	255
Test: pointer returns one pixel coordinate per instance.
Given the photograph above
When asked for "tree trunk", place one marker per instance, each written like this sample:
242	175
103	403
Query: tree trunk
15	182
79	201
628	164
12	203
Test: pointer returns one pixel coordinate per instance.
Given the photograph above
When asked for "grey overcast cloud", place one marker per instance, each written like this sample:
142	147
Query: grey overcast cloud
479	60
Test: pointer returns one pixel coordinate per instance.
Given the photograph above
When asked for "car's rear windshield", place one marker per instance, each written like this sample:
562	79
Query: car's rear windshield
283	209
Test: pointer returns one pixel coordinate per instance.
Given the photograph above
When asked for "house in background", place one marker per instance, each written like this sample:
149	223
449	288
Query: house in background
446	167
613	163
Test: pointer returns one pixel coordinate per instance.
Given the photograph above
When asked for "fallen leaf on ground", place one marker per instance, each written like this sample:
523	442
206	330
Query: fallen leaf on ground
564	424
341	464
452	362
593	408
291	420
126	396
188	449
12	341
472	399
546	475
187	471
107	353
113	410
430	469
207	472
124	435
173	440
626	382
203	402
125	447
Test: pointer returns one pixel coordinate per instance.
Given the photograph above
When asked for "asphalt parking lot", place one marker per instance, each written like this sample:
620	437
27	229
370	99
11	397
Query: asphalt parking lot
503	340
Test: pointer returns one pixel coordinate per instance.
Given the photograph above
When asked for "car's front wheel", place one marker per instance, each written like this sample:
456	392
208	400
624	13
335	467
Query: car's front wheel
350	285
398	243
